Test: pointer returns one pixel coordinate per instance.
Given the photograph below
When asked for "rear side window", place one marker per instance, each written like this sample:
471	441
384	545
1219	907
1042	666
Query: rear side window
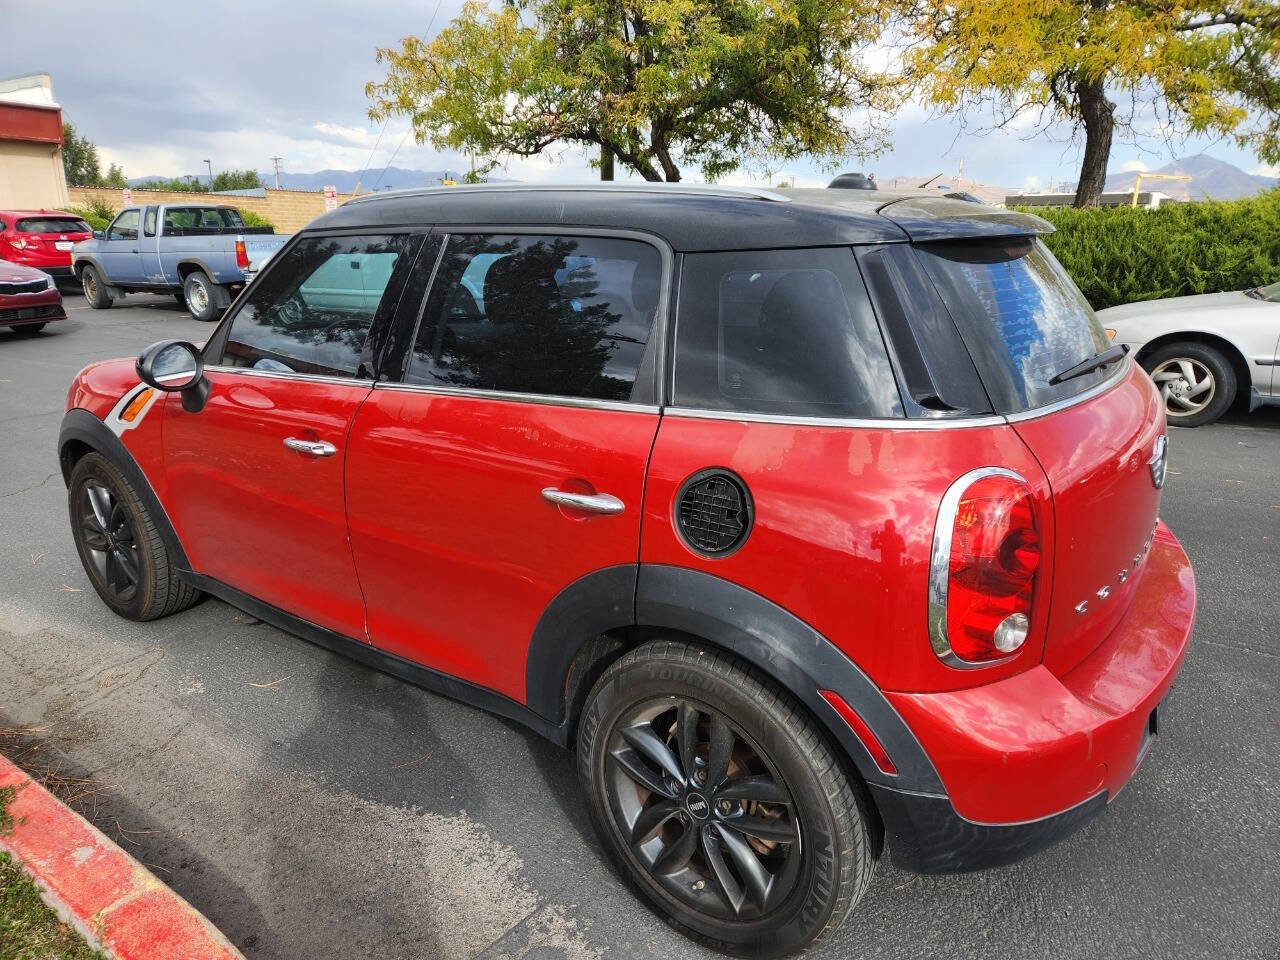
312	312
781	331
52	225
1022	318
561	316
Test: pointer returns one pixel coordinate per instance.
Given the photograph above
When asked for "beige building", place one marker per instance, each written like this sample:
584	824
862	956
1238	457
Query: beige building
31	173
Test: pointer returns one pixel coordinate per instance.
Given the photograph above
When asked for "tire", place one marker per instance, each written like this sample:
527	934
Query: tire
28	328
95	289
200	296
1197	382
128	566
817	857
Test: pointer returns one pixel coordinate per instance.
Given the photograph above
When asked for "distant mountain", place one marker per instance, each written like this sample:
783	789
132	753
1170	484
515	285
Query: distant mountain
1215	179
394	178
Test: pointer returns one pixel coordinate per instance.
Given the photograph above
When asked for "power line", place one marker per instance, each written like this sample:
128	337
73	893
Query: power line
425	34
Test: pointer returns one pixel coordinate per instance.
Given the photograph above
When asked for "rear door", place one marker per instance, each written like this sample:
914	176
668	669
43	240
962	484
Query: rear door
509	462
256	477
1096	435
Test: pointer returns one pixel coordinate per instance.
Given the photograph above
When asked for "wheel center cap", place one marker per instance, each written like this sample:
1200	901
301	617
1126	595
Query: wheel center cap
698	806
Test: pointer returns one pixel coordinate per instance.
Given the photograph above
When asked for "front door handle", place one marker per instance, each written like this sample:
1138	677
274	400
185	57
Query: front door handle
314	448
590	502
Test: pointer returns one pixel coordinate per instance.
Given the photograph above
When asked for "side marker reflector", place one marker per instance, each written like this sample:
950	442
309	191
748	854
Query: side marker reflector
130	413
863	732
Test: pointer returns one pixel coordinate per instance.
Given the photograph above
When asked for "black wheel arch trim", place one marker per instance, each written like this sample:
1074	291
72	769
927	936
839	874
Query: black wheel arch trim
737	620
81	426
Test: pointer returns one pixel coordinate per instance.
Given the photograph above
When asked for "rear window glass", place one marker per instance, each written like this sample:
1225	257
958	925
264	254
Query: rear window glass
187	218
52	225
1022	318
781	332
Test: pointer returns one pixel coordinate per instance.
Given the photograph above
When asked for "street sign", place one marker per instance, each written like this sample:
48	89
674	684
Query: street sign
331	198
128	196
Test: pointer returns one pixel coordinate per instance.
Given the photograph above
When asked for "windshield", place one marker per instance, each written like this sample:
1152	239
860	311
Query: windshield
52	225
1270	292
1022	318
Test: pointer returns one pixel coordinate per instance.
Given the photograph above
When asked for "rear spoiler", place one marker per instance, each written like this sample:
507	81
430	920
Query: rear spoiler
928	218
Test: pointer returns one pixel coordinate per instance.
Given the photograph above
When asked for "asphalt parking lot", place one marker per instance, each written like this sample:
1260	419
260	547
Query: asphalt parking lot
314	808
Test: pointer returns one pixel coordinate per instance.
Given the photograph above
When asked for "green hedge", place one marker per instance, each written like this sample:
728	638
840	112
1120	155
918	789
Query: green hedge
1121	254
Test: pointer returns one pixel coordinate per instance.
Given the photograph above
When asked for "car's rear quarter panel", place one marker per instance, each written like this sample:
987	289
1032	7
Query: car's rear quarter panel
844	521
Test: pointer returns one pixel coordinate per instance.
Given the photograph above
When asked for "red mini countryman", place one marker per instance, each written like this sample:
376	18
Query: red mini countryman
817	522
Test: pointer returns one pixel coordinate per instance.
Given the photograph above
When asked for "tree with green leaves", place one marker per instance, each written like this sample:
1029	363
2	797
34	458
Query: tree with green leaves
1105	66
660	85
80	159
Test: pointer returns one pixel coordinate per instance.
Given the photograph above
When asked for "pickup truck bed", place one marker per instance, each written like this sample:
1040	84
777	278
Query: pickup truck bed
197	252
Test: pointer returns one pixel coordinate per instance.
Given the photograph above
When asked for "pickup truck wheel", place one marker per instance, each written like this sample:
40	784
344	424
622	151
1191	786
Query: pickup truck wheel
201	298
95	291
119	545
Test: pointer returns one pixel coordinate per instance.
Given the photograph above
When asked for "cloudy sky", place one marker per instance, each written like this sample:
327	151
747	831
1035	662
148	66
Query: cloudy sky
161	85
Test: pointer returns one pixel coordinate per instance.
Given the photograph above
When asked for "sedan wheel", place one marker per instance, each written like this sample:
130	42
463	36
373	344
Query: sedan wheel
1186	384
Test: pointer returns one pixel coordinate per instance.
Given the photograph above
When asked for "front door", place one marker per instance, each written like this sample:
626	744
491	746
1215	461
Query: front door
510	460
119	254
255	479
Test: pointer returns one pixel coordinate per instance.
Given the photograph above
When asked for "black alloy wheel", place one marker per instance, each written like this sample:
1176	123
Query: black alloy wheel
108	535
721	801
119	545
702	809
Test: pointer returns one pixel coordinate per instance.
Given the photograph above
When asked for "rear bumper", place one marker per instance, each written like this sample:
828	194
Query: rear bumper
1026	760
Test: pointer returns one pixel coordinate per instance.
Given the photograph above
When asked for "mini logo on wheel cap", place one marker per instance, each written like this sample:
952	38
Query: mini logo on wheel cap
698	806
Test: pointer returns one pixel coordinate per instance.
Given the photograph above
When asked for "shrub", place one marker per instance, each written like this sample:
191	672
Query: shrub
97	214
252	219
1121	254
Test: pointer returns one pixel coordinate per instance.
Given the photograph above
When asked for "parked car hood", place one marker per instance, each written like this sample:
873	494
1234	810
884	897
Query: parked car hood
1202	306
11	272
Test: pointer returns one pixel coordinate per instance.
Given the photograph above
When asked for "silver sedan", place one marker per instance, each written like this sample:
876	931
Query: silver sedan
1204	351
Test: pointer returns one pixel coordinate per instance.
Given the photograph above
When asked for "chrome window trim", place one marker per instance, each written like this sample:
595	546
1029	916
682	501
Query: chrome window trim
1097	389
622	406
940	561
904	423
290	375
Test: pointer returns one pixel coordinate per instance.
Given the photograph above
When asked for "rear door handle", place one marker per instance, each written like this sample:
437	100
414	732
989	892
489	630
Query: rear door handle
315	448
590	502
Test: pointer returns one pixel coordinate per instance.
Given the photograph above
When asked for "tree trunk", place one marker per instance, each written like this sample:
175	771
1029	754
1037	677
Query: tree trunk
1098	114
606	163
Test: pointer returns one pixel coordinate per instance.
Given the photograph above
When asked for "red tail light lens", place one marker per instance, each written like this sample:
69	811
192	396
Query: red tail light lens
242	255
986	555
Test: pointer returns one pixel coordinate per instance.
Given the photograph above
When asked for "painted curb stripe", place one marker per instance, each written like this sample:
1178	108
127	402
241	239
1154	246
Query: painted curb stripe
111	899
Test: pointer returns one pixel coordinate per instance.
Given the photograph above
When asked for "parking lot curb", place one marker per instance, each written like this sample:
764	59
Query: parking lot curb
115	903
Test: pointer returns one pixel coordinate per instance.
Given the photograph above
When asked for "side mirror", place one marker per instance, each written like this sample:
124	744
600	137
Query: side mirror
99	234
175	366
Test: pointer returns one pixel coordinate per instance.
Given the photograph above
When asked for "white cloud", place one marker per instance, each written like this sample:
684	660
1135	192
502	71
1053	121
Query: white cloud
1031	184
1134	166
352	134
1266	170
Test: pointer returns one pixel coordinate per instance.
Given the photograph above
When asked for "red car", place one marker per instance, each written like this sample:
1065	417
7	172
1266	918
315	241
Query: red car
29	298
41	239
816	521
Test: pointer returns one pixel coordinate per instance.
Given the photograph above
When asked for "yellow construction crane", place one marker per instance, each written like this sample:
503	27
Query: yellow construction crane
1137	184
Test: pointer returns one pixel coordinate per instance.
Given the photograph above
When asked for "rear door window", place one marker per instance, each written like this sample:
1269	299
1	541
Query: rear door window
312	312
1022	318
781	332
555	315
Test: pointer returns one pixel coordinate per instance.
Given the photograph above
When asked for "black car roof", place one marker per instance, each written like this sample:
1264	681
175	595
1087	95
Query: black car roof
692	217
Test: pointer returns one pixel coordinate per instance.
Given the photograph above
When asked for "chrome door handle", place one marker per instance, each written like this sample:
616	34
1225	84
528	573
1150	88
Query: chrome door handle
591	503
315	448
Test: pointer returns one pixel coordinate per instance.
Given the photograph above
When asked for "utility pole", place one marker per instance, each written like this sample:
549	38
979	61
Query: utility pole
276	161
210	166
